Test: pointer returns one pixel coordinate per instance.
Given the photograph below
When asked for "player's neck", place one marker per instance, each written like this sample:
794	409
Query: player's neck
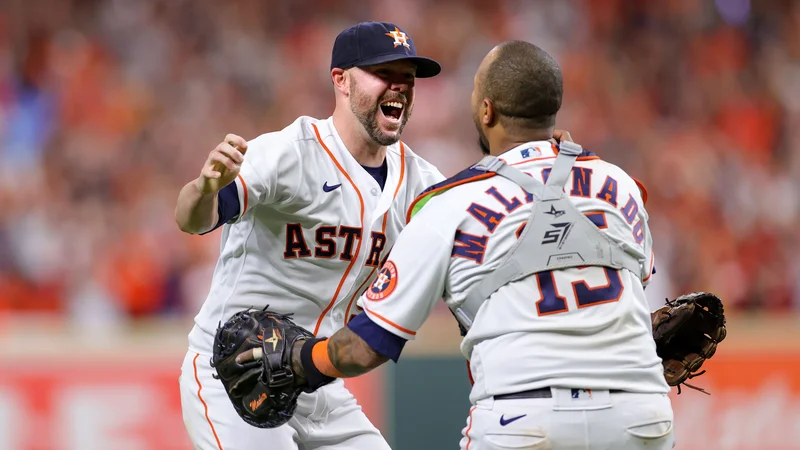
507	141
364	150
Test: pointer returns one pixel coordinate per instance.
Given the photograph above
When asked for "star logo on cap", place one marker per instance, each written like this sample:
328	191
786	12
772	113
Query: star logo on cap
400	38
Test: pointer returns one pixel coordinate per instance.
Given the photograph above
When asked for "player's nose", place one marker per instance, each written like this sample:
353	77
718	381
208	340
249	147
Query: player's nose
401	87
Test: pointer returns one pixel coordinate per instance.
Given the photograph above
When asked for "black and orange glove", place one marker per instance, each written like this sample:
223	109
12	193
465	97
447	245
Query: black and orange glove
263	390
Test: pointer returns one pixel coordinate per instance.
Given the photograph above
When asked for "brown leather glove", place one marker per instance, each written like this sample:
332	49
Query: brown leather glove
687	331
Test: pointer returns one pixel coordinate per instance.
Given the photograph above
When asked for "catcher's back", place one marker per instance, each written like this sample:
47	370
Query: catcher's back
583	327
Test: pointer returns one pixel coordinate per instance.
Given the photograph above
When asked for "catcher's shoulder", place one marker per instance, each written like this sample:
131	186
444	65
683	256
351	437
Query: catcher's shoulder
445	189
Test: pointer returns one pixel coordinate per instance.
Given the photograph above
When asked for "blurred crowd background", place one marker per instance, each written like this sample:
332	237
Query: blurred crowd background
108	107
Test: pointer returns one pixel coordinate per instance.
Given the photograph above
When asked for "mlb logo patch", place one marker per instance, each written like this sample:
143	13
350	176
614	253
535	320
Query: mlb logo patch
529	152
581	394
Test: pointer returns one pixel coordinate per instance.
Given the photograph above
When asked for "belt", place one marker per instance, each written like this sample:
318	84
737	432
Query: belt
535	393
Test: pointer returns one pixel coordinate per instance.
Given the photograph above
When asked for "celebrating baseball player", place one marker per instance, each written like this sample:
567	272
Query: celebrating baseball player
309	213
542	253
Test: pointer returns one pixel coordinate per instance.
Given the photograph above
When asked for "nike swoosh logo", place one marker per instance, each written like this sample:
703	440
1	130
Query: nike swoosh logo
327	188
504	421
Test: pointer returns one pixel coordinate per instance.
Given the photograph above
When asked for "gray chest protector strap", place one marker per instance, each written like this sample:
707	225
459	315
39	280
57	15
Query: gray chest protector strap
557	235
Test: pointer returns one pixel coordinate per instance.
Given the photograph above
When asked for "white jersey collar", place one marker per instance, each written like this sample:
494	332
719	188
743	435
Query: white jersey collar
528	151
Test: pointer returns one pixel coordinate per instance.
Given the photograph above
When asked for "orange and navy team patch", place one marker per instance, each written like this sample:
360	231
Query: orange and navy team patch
385	283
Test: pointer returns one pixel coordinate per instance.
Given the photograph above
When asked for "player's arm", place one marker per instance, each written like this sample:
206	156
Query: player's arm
343	355
395	306
197	210
270	172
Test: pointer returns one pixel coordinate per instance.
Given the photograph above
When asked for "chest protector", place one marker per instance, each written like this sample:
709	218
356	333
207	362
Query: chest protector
557	235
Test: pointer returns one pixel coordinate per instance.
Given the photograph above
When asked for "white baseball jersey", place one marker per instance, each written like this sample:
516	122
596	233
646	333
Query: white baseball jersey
312	229
583	327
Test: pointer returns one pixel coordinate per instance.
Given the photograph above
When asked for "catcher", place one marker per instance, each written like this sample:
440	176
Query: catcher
542	254
265	360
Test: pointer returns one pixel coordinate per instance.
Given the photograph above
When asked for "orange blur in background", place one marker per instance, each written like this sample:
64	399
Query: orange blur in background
107	107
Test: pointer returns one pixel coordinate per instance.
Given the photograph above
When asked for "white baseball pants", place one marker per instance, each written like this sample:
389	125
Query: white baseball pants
572	419
329	419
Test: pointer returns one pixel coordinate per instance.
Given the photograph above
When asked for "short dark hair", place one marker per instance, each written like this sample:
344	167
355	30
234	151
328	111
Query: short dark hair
525	85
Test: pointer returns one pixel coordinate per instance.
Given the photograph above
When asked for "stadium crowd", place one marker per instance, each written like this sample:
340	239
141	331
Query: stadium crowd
108	107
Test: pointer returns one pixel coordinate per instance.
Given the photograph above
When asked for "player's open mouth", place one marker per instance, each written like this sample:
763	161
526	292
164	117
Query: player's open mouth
392	110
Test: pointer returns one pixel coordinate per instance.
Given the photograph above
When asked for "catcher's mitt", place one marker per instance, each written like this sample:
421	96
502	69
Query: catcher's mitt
263	391
687	331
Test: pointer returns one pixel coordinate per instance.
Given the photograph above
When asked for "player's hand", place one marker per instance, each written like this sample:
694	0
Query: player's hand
561	136
223	165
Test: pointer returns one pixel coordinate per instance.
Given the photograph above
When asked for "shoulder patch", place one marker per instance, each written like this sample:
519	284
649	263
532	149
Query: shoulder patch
463	177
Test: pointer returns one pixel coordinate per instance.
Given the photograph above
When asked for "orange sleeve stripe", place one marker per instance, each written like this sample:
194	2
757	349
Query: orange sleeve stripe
244	188
389	322
322	360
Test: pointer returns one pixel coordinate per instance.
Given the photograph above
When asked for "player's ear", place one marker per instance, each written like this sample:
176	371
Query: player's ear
488	113
340	80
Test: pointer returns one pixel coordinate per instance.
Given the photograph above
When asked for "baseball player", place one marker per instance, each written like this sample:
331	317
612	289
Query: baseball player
308	214
542	253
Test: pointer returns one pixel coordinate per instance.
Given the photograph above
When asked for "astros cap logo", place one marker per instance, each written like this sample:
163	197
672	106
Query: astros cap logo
384	284
400	38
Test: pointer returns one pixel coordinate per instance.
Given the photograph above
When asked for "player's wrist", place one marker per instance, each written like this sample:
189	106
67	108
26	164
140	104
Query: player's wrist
315	363
206	187
297	365
201	184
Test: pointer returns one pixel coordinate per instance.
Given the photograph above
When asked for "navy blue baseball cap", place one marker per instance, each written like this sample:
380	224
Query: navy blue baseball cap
369	43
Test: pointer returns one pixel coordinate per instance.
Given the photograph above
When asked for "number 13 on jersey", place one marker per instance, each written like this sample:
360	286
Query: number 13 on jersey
551	302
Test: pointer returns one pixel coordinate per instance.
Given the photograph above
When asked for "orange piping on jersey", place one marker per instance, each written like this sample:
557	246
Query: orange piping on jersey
205	406
448	186
538	158
541	158
244	188
402	169
383	228
652	261
389	322
358	249
358	293
641	189
598	213
466	433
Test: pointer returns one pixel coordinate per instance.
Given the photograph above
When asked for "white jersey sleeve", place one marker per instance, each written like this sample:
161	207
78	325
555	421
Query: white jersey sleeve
412	280
641	230
271	173
649	267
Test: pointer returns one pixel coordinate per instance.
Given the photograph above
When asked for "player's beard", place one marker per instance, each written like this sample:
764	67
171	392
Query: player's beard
483	143
367	113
